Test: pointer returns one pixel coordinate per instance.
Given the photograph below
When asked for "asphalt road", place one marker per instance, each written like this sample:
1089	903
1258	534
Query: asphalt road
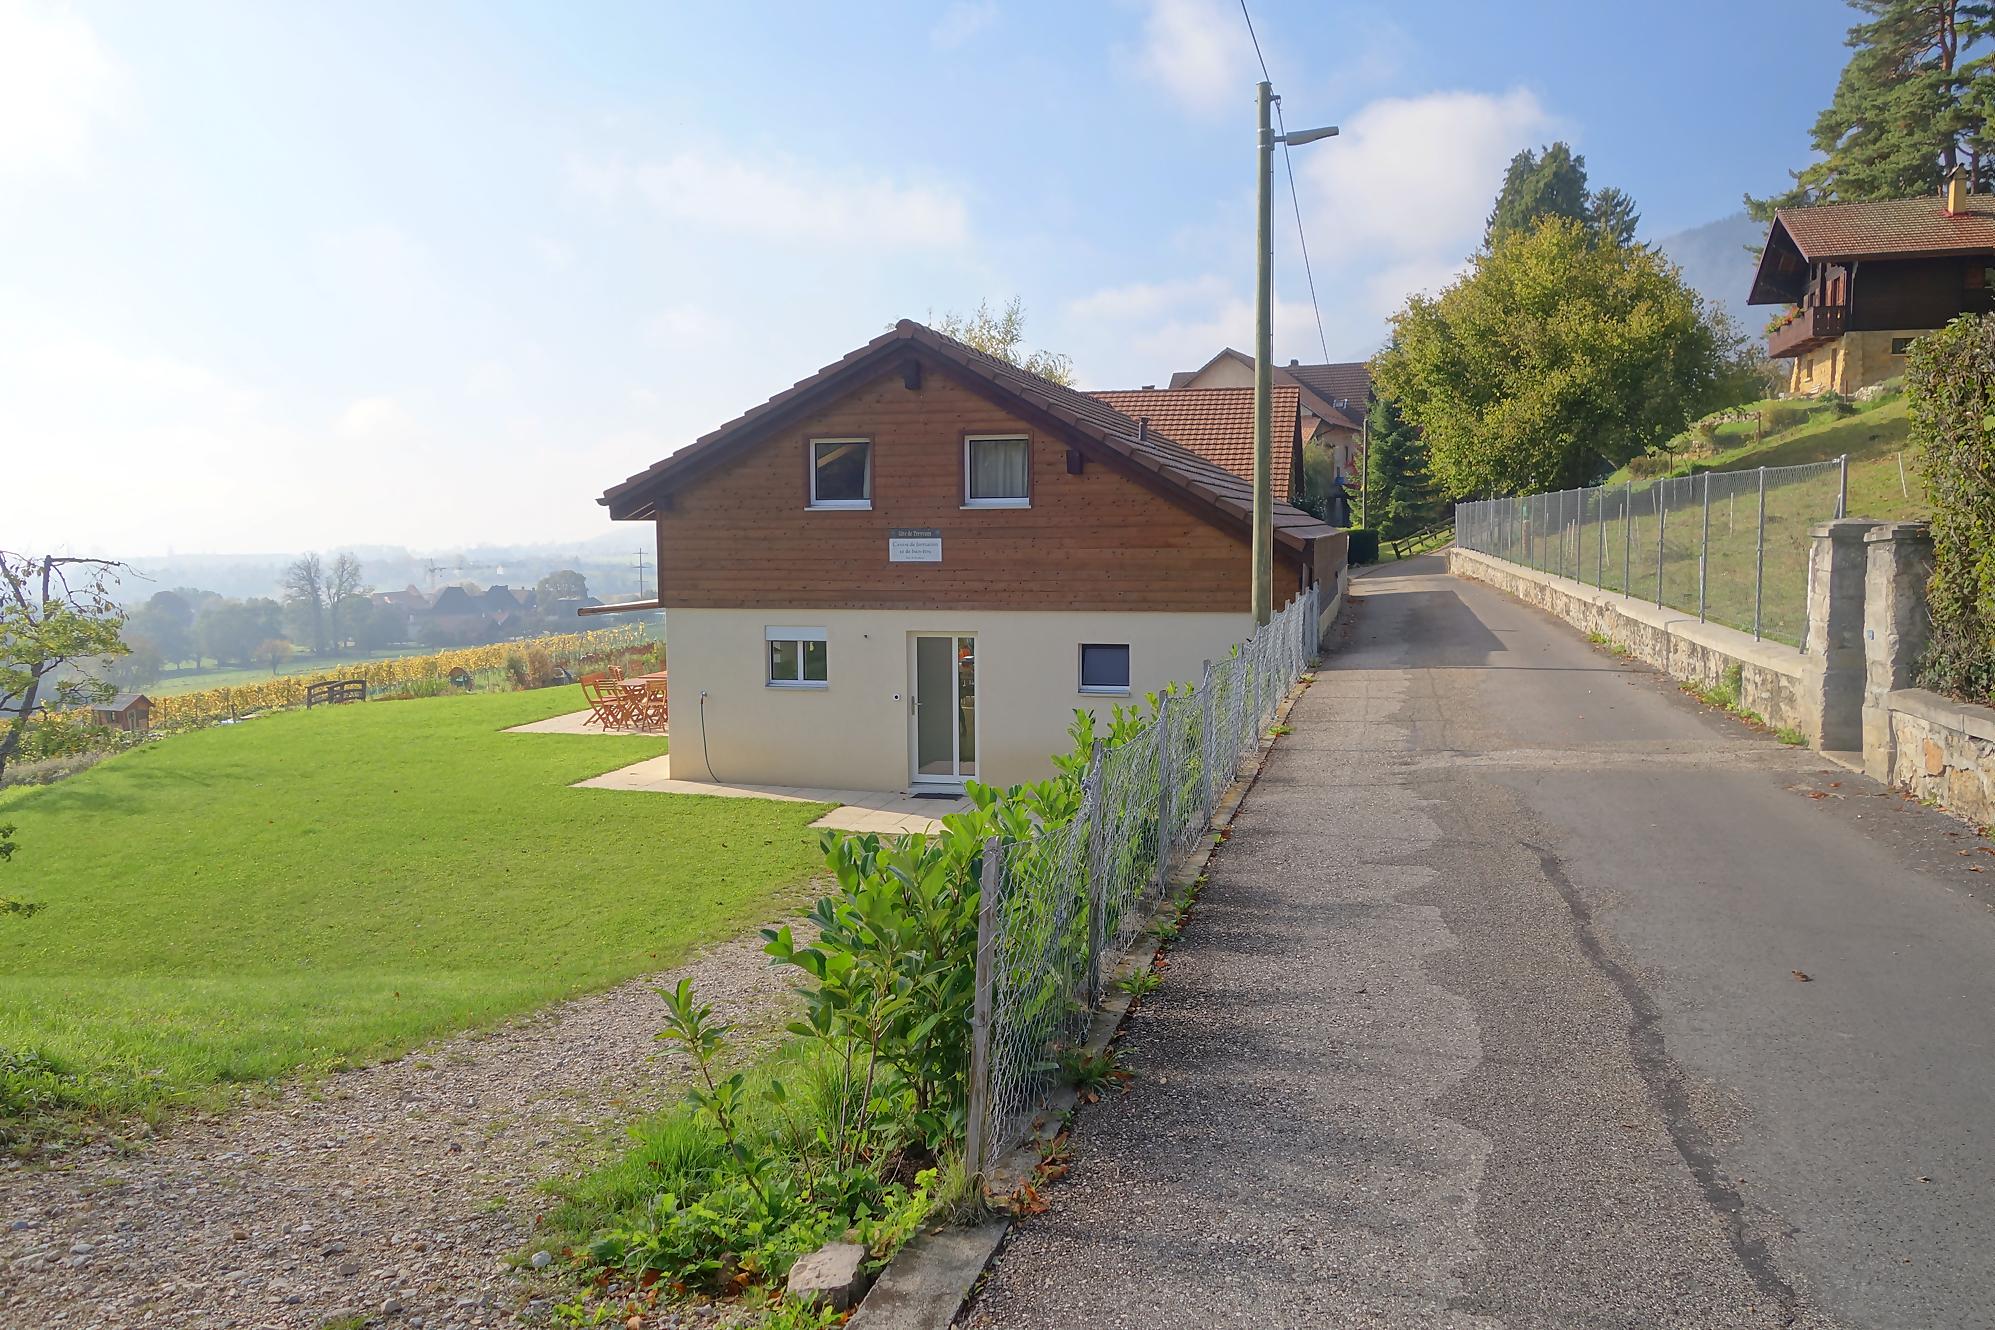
1492	1016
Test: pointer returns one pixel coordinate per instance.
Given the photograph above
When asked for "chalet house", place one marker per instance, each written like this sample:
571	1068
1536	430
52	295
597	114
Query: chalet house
1218	425
1335	398
1865	279
130	712
456	615
909	569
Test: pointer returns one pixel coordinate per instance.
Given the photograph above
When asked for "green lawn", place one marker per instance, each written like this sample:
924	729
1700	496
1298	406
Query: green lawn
317	888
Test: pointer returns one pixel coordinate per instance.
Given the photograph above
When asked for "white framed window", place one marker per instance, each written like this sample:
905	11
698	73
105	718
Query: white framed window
1104	667
997	471
841	473
798	657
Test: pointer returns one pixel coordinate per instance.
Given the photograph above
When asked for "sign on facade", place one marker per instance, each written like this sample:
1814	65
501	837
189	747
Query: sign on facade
919	544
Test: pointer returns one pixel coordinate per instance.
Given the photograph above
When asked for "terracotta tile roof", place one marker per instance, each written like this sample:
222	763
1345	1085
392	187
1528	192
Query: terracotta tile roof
1349	382
1226	497
1900	227
1218	424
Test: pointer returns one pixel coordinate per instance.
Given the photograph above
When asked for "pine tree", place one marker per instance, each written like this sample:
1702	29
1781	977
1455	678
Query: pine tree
1400	499
1907	110
1553	184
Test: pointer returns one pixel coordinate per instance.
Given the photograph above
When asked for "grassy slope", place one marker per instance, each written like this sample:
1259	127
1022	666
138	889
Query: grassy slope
1873	437
314	888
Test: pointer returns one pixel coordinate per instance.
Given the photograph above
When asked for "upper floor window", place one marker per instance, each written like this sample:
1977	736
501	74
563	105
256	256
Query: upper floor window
996	471
841	473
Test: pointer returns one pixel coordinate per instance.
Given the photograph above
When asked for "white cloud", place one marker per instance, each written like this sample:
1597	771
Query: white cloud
782	200
375	418
1416	174
1199	51
56	82
1127	336
962	21
556	254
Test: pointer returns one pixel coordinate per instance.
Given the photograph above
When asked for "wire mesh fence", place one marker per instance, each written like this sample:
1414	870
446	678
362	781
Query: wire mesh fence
1730	547
1058	908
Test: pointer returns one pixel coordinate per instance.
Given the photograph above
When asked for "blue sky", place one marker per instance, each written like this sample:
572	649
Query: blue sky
282	276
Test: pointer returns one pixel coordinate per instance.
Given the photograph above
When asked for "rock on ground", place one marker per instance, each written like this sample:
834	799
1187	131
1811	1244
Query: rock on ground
397	1190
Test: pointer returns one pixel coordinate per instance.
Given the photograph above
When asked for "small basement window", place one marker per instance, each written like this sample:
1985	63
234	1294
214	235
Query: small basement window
1901	345
1104	667
841	473
995	471
798	657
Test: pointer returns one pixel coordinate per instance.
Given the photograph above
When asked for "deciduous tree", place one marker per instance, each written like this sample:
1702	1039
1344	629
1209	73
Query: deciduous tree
305	599
54	610
1553	360
1001	335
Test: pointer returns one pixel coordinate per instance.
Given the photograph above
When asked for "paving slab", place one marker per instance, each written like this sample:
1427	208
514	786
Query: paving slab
889	813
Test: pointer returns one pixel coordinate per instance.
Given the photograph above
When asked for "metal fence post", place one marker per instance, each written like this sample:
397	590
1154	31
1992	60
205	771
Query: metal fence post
1759	556
1628	541
978	1128
1600	533
1661	518
1165	840
1704	548
1843	485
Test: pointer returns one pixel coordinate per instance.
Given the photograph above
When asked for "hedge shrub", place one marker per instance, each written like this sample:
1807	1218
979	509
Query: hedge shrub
1364	545
1950	378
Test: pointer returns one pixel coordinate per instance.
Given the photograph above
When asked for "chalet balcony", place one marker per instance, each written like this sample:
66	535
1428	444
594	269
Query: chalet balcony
1806	329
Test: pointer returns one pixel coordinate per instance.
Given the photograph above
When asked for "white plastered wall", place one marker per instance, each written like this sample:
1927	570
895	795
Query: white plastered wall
729	725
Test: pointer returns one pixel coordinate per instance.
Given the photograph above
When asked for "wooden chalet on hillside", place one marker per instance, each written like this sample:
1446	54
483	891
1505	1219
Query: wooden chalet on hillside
1865	279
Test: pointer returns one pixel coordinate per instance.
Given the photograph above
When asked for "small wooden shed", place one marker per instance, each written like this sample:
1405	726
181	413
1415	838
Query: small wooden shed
131	712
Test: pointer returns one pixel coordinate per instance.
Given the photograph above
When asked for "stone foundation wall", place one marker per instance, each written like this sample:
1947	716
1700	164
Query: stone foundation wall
1778	682
1944	751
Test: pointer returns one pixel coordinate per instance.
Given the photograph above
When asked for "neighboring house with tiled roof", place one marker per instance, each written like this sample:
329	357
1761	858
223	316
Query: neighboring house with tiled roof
908	569
1218	425
1865	279
1334	398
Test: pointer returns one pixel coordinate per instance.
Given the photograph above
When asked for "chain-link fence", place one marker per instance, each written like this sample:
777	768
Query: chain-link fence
1727	546
1060	907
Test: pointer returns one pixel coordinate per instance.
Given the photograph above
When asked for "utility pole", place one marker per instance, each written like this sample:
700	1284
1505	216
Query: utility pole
1264	299
1365	468
1264	302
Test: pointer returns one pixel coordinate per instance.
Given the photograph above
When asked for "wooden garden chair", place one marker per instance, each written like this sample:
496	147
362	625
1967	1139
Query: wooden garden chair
650	705
613	707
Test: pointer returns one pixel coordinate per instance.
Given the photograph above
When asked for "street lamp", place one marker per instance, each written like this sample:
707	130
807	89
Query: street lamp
1264	300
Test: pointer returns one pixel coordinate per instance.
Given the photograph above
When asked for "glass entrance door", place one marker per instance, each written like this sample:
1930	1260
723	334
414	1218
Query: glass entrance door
945	709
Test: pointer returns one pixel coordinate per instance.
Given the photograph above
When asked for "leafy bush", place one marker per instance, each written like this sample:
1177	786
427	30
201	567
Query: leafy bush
70	734
1778	416
49	770
1951	380
1364	545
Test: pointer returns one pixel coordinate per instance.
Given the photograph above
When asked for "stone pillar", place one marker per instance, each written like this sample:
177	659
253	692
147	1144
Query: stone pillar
1898	563
1835	628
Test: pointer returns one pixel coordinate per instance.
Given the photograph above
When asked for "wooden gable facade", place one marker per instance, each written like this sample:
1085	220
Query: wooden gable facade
1116	519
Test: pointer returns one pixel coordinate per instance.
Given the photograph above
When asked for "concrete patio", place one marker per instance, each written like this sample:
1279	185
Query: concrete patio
886	812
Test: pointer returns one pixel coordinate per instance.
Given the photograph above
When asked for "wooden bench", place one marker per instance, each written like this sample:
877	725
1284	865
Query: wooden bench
335	691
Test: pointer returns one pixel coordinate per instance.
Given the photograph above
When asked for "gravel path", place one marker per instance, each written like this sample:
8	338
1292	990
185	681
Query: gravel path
394	1191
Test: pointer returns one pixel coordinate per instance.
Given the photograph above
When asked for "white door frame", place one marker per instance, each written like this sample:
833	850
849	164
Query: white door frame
917	780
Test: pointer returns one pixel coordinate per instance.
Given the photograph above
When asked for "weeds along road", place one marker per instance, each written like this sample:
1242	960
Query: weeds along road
1493	1014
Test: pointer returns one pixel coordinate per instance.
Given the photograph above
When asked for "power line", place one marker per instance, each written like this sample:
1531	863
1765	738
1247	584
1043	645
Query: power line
1288	168
1256	40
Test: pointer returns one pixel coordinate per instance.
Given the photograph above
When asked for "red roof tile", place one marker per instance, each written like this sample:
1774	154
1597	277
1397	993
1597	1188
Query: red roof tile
1217	424
1901	227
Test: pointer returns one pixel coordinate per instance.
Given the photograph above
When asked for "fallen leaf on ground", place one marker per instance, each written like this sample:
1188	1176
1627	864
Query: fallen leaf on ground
1803	978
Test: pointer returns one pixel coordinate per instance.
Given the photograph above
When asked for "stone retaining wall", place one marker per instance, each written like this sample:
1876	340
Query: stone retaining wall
1944	751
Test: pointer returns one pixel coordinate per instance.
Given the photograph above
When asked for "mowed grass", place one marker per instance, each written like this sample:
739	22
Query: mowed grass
194	680
318	888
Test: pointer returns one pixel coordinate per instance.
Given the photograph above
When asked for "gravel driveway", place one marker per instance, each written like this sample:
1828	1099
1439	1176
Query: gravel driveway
395	1191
